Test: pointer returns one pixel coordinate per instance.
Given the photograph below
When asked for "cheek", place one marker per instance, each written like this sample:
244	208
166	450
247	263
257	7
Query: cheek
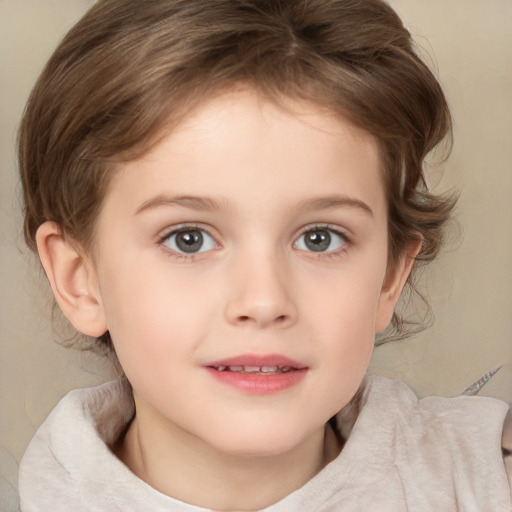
344	317
153	313
349	298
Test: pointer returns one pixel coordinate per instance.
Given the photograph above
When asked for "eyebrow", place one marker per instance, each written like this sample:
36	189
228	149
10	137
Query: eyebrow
209	204
192	202
334	201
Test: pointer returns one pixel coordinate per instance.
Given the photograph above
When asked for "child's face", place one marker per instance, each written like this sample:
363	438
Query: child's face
250	236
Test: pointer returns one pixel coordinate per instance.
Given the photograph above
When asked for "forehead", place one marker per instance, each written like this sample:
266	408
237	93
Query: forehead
241	146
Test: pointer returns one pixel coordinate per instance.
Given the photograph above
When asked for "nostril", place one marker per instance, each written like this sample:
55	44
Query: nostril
247	318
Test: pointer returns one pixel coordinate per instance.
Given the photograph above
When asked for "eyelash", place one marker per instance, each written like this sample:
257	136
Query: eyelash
161	242
332	229
180	229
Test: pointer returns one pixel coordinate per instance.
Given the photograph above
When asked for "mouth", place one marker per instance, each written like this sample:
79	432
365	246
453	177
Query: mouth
255	370
261	375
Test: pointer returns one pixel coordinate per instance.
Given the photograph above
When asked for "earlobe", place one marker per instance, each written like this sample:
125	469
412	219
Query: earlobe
393	286
72	279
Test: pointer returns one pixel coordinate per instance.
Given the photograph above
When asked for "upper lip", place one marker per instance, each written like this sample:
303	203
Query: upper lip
258	360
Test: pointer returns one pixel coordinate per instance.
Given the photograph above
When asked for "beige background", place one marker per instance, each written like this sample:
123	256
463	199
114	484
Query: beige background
470	286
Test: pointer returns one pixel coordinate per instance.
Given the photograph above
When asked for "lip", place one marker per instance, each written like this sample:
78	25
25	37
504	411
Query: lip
257	383
258	360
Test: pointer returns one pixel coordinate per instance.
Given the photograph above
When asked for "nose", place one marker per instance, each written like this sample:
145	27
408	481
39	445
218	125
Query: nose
261	295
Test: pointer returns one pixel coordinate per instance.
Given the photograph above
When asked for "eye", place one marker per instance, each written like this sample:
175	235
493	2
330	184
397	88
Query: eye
320	240
189	241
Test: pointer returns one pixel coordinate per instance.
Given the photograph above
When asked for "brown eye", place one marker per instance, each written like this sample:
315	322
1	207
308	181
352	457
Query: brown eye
190	241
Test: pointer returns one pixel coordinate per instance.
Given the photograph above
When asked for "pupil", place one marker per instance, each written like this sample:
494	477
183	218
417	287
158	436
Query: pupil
189	241
318	241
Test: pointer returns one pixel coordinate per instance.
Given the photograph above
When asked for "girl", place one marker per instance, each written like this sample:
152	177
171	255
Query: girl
229	195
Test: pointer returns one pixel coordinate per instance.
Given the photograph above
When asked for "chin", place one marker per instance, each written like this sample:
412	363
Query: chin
258	442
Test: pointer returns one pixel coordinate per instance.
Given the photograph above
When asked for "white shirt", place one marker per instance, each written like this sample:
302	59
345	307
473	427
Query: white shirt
403	454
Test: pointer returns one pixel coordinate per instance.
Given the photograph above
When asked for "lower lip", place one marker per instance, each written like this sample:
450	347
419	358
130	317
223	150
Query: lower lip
257	384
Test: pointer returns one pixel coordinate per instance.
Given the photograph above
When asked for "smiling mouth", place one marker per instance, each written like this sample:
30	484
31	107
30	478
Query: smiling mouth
258	374
255	370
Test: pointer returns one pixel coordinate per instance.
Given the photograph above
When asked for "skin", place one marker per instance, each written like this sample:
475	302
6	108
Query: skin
260	177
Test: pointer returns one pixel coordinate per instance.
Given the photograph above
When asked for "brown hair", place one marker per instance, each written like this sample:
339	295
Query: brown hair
129	70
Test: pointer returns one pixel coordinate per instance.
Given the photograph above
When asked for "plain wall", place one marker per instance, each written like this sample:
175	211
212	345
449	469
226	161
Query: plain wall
470	286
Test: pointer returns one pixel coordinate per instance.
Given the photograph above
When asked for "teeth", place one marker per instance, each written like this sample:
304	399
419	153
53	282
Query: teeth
255	369
252	369
269	369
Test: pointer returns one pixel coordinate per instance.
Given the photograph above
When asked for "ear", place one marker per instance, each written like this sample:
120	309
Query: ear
393	285
73	280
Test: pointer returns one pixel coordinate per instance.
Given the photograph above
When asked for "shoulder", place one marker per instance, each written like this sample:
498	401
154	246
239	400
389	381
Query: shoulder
469	413
451	444
71	441
395	409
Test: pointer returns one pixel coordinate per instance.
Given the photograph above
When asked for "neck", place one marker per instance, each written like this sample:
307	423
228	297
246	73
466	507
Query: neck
187	469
